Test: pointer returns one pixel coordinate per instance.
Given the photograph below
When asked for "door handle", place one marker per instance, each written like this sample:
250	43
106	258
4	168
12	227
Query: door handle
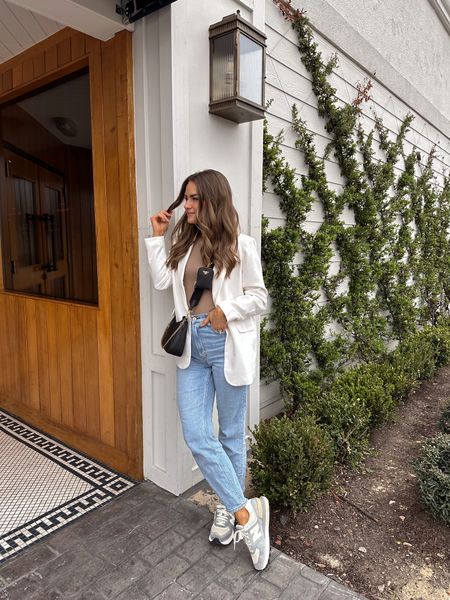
48	267
8	168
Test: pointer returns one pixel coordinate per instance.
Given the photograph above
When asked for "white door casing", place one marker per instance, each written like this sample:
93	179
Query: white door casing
175	135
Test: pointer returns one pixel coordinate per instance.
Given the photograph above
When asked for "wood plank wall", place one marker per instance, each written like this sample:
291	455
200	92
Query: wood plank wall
71	369
81	229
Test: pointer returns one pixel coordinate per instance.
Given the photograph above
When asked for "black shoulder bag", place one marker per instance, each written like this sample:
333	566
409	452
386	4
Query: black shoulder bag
174	336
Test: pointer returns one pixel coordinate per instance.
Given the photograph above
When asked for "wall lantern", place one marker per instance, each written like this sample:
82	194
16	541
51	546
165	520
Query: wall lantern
237	69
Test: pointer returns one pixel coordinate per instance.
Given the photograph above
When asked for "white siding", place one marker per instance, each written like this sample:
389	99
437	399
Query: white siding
289	83
411	37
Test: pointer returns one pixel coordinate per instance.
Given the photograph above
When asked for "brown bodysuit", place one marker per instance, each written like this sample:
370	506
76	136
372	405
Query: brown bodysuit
190	275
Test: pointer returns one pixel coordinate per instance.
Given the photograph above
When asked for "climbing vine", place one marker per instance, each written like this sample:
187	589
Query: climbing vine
393	264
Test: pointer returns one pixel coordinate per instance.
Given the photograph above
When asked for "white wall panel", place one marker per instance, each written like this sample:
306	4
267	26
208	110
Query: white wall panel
175	136
272	408
160	417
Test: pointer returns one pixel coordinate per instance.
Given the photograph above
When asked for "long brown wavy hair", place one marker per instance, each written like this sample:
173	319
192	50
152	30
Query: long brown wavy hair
217	223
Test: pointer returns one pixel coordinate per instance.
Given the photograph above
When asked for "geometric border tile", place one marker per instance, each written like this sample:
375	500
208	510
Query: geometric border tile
104	485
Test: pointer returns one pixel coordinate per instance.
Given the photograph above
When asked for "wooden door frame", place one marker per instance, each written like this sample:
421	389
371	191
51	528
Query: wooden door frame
62	54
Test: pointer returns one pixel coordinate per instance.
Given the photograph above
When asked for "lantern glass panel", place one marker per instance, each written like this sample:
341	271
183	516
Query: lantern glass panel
223	66
251	69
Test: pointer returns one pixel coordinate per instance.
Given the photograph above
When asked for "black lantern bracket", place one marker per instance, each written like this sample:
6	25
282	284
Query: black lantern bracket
133	10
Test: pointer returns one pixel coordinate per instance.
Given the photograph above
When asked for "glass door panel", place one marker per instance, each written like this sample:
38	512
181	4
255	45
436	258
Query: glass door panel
26	213
51	206
53	217
22	206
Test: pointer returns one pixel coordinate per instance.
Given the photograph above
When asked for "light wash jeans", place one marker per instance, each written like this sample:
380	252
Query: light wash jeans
222	460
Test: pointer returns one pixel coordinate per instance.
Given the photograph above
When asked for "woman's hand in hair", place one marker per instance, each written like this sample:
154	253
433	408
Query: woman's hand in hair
217	319
160	222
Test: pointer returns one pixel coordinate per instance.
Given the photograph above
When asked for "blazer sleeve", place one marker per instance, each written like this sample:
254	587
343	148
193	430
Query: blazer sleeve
254	299
156	254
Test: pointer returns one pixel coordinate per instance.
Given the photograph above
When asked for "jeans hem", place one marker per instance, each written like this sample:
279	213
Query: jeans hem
233	510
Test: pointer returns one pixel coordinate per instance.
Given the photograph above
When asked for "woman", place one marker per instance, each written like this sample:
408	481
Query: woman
219	358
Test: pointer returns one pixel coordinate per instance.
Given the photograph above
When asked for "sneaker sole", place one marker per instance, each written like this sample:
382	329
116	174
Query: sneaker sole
266	520
265	517
218	542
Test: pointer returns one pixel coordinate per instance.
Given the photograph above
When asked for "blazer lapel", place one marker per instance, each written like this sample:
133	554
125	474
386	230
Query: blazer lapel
217	284
181	269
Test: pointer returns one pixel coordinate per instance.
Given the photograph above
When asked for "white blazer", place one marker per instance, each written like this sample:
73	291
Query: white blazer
241	296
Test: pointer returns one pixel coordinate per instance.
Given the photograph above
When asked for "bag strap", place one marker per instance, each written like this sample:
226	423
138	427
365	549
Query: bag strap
195	298
197	293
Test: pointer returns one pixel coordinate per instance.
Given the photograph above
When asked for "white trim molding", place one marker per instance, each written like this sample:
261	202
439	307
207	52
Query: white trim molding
442	8
97	18
250	4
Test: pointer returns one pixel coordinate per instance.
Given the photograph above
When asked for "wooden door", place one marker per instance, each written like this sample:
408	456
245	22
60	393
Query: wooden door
20	207
72	367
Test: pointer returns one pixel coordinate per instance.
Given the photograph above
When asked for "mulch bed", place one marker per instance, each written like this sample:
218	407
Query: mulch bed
370	532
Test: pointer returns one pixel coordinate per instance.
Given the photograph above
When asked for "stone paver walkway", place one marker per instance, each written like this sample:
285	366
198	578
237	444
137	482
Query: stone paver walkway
151	544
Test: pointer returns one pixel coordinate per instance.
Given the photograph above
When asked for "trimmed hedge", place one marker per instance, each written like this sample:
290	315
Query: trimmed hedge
344	415
292	461
444	421
433	476
292	468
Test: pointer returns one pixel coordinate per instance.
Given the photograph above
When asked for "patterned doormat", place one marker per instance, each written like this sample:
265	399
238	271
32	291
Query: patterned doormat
44	485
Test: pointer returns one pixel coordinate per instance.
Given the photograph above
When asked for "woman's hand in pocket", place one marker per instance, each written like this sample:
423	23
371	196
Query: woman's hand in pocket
217	319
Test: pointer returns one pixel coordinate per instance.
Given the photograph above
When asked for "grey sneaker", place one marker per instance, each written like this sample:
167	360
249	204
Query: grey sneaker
222	529
256	532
